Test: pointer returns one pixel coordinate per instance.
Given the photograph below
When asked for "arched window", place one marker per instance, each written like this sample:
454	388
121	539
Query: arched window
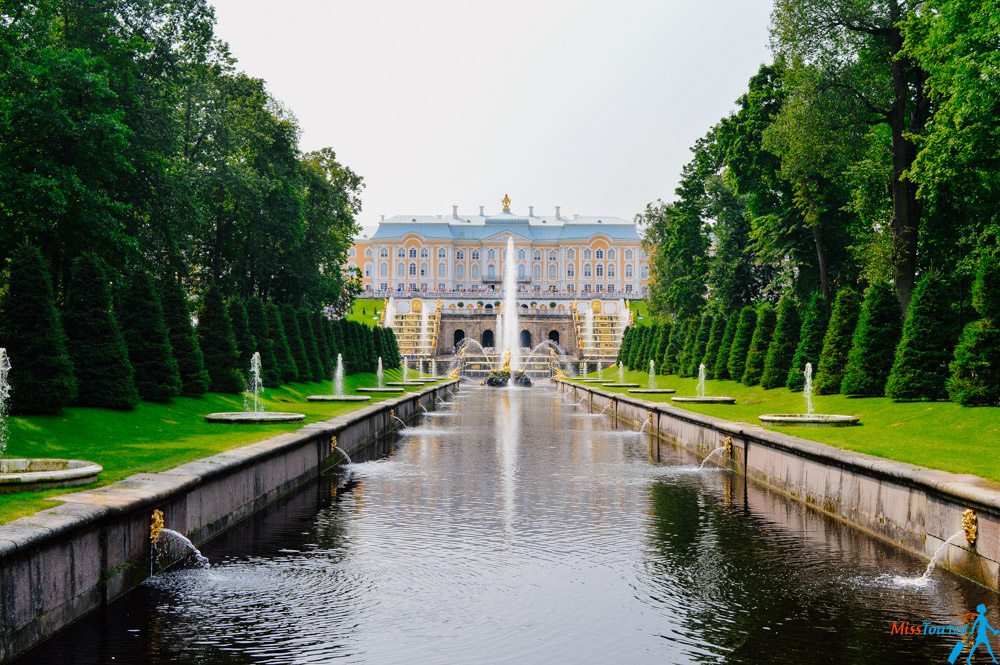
587	272
459	336
491	254
554	336
491	271
611	270
611	255
351	252
552	256
475	255
460	255
383	269
424	253
587	254
521	272
400	252
628	270
413	252
368	269
600	253
488	341
570	271
628	254
413	270
526	339
383	253
460	271
600	270
571	254
537	271
441	270
423	269
538	255
644	272
552	271
475	271
368	252
442	253
520	254
400	269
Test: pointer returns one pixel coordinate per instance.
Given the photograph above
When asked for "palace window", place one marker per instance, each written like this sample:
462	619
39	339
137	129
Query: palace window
442	253
570	271
441	270
600	253
383	270
441	287
475	255
552	256
460	271
571	287
537	271
611	255
424	253
413	252
552	271
400	269
413	270
628	270
460	255
383	286
538	255
368	253
475	271
351	253
643	254
611	270
521	272
628	254
423	269
599	288
587	253
586	288
383	253
644	272
600	270
491	271
628	288
368	270
587	272
520	254
570	254
491	254
401	253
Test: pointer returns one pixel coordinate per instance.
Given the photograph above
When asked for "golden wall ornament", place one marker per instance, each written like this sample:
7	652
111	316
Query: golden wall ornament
333	443
155	525
970	525
728	444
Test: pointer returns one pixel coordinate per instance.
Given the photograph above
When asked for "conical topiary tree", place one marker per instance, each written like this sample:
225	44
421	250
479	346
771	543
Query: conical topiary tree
783	345
246	345
282	349
261	332
334	349
157	376
295	342
395	358
635	351
975	371
316	372
215	334
874	342
814	325
759	344
675	346
712	347
737	362
837	342
626	343
183	340
721	369
661	347
920	364
323	342
95	341
700	344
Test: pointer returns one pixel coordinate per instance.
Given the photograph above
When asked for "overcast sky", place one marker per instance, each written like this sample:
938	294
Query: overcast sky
589	105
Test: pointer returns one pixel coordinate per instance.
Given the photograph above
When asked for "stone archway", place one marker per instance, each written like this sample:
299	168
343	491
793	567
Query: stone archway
526	338
554	336
459	336
488	339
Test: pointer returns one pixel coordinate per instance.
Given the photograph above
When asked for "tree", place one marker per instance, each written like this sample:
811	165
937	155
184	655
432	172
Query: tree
635	351
975	371
215	333
920	366
41	376
700	344
814	325
261	332
323	342
759	345
295	342
712	347
661	347
246	344
183	340
95	341
783	345
157	376
282	349
874	343
626	344
675	346
742	337
837	342
721	368
316	370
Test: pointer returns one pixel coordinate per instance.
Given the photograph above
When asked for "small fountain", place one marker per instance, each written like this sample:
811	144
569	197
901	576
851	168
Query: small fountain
600	376
380	374
809	417
621	379
338	386
621	372
651	388
187	547
922	580
406	378
4	398
389	313
380	379
253	406
727	446
701	398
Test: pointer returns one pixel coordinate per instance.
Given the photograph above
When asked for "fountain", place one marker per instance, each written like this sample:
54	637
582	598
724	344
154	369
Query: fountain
621	372
621	379
389	313
588	329
253	406
701	398
380	374
380	379
508	329
809	417
338	386
406	378
188	549
20	475
651	388
424	341
727	446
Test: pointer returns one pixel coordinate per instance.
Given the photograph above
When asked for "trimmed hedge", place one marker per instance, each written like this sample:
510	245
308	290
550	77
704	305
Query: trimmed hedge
183	340
246	344
873	343
259	329
712	347
157	376
783	345
316	370
295	342
920	364
215	333
721	369
282	349
737	362
759	344
975	371
837	342
810	346
700	344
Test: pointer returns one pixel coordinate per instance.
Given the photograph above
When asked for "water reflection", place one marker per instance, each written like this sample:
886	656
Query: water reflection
516	531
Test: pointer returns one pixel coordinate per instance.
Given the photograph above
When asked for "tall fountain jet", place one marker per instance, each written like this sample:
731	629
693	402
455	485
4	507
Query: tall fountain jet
4	397
390	313
510	328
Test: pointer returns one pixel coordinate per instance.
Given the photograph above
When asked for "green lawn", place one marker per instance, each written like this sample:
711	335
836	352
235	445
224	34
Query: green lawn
640	311
156	437
939	435
366	310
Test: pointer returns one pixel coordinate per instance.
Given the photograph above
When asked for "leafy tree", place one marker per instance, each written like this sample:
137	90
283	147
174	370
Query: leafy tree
721	368
737	361
661	347
246	344
183	340
157	376
712	347
920	366
874	343
623	349
215	334
95	341
975	371
783	345
700	344
759	345
814	325
295	342
687	350
261	332
317	373
837	342
320	330
282	349
41	376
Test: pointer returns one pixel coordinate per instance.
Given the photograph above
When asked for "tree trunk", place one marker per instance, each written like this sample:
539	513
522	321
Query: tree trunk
824	276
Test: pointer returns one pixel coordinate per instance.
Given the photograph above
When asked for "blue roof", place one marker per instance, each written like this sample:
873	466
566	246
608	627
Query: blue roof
540	229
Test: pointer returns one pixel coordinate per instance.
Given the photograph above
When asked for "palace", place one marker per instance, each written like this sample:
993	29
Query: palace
585	256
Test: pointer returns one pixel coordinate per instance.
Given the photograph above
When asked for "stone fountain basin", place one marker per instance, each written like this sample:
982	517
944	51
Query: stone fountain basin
246	418
374	389
339	398
714	399
20	475
651	391
404	383
814	419
596	381
621	385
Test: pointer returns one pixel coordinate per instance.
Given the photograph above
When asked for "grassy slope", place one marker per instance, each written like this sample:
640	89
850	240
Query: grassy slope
156	437
940	435
366	310
640	311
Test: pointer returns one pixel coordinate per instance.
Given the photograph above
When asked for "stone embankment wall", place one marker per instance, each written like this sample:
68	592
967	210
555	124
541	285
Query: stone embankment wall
61	563
915	508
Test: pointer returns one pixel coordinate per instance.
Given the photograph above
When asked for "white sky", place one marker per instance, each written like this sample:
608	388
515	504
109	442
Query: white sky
589	105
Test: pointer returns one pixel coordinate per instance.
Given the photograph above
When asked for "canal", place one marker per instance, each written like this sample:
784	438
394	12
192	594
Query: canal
511	526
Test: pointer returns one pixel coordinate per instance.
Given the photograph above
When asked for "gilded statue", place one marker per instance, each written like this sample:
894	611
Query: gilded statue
506	203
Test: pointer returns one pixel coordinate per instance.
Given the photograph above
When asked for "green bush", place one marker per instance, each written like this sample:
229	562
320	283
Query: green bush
873	344
246	344
783	345
215	334
759	344
626	345
712	347
810	346
259	329
837	342
95	341
395	360
700	344
316	371
675	346
687	347
737	362
635	350
721	369
295	342
279	338
183	340
661	347
157	376
975	371
920	364
323	342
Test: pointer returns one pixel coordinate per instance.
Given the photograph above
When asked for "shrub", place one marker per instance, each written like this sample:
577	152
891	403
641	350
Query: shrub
783	345
975	371
396	360
183	340
712	347
257	320
920	364
700	344
759	344
316	371
737	361
95	341
215	333
661	347
873	343
282	350
837	342
245	342
687	347
295	342
721	369
323	343
626	345
814	324
635	348
157	376
675	346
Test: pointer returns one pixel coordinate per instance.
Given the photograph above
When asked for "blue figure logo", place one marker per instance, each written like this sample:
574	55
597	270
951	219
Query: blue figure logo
979	628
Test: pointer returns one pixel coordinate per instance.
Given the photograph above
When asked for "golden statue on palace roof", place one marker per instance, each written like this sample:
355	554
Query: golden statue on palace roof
506	203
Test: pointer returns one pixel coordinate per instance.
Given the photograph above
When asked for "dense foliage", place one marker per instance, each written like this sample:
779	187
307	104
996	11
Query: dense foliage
873	343
157	376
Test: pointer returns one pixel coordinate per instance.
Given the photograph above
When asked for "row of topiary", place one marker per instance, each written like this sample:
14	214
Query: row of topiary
862	346
110	349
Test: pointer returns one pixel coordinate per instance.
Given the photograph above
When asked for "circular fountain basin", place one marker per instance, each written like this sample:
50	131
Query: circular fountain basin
404	383
714	399
813	419
249	418
596	381
339	398
375	389
621	385
20	475
651	391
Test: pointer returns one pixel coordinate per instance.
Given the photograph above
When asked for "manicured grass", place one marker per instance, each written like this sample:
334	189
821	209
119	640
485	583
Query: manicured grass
939	435
156	437
640	311
366	310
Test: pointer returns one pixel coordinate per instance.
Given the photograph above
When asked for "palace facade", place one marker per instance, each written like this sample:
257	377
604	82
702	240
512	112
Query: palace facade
410	255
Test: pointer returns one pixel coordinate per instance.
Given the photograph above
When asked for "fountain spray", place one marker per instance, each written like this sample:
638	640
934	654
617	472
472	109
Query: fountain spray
807	390
652	374
4	398
338	376
621	372
251	398
701	380
379	374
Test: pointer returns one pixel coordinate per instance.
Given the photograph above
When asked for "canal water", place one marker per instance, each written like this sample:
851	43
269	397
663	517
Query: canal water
510	526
